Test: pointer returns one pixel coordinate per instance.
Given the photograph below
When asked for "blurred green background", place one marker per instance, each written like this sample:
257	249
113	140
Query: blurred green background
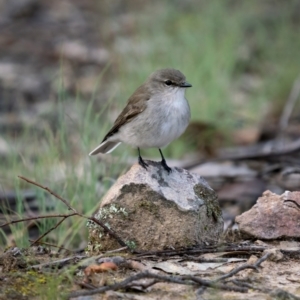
67	69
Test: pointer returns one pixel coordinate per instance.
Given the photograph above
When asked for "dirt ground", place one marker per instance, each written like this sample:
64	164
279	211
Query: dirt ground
27	274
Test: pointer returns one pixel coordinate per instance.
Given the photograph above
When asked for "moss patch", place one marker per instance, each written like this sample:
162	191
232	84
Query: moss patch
211	201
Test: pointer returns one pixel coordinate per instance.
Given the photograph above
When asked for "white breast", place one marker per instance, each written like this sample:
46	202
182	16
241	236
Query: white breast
164	120
176	117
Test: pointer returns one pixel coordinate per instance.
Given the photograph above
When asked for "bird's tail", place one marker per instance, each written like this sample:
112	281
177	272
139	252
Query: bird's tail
105	147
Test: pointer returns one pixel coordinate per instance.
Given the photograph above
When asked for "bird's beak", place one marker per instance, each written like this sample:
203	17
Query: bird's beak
185	85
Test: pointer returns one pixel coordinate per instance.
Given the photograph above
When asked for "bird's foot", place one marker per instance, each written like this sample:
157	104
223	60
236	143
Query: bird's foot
143	163
165	166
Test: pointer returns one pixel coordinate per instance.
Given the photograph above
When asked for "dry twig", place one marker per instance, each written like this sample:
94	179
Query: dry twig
59	263
188	280
63	216
214	249
243	267
290	104
50	245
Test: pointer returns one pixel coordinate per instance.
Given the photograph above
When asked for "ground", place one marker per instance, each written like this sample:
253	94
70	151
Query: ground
30	274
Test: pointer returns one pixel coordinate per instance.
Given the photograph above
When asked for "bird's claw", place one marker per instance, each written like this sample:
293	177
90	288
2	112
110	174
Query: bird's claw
165	166
143	163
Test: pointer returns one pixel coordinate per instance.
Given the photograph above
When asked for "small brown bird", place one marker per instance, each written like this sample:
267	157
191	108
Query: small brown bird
155	115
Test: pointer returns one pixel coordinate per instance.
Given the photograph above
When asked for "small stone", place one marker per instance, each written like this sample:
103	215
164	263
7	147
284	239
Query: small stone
260	243
289	245
272	217
276	254
154	210
252	260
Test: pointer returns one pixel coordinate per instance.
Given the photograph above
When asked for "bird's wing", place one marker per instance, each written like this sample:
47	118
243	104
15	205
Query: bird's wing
136	104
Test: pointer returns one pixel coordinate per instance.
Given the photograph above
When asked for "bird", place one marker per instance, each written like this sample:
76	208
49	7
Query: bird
156	114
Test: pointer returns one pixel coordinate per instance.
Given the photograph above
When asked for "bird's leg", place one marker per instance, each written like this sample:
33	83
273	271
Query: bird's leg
141	161
164	163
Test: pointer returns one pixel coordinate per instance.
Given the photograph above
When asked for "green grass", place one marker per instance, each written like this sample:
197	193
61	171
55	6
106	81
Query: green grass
214	43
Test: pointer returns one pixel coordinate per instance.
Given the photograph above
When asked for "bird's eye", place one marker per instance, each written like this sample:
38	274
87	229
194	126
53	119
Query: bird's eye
168	82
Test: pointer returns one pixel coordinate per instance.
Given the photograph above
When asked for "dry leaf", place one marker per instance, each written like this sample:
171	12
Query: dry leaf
104	267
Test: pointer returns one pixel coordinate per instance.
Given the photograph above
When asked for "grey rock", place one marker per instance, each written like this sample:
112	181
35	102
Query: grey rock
152	210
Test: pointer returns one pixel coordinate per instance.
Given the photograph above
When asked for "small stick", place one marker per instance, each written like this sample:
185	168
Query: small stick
37	218
58	263
50	245
202	250
290	104
243	267
111	251
48	231
50	192
98	222
187	280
